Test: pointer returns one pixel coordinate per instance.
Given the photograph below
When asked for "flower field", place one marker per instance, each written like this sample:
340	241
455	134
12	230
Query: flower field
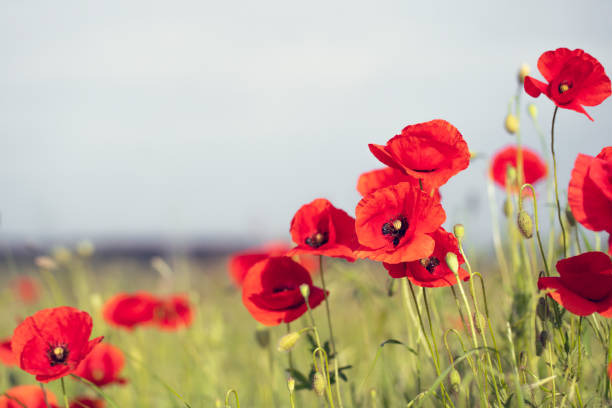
387	304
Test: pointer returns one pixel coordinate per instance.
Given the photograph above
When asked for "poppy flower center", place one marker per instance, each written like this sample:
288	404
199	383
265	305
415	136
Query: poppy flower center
430	263
395	229
317	239
284	288
57	354
564	87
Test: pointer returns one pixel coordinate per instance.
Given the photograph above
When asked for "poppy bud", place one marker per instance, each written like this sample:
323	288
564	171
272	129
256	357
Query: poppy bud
511	175
85	249
262	335
287	342
533	111
318	384
459	231
480	323
508	208
511	124
218	403
291	384
523	72
543	338
474	155
452	262
570	217
542	309
305	290
455	380
525	224
61	255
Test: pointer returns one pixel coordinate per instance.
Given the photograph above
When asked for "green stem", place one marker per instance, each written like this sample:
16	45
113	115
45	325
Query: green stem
64	392
552	150
42	387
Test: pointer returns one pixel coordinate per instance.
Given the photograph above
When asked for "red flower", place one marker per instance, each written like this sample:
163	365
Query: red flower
27	289
433	152
6	353
271	291
574	79
319	228
432	271
86	402
129	310
52	342
584	285
590	191
102	366
534	168
393	224
241	262
173	313
376	179
610	370
30	396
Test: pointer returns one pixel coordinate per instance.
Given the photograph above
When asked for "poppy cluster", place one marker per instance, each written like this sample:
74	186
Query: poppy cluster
144	309
33	396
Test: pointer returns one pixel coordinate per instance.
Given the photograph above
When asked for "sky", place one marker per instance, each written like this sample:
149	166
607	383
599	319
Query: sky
219	120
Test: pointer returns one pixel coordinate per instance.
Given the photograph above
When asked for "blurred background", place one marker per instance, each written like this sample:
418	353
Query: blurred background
210	123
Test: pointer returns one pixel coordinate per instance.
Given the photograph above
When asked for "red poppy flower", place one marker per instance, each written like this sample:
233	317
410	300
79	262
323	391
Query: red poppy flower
610	370
319	228
86	402
584	285
433	152
393	224
102	366
129	310
27	289
271	291
52	342
590	190
173	313
574	79
432	272
534	168
6	353
30	396
376	179
241	262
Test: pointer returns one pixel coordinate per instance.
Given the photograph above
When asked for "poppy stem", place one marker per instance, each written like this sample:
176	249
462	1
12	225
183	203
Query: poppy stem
42	387
537	223
289	354
64	392
552	150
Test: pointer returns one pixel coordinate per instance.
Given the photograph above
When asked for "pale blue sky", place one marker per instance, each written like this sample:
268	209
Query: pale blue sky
220	119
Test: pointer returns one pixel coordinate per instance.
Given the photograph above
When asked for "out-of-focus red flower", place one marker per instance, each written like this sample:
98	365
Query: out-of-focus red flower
319	228
534	168
102	366
52	342
30	396
574	78
130	310
432	272
393	224
86	402
27	289
271	291
433	152
584	285
241	262
173	313
6	353
590	191
610	370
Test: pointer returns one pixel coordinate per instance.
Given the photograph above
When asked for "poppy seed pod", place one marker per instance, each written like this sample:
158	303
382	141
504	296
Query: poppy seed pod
452	262
524	70
287	342
318	384
525	224
508	208
511	124
533	111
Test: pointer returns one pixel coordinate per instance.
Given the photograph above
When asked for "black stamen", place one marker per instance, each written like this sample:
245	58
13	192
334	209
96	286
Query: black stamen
317	239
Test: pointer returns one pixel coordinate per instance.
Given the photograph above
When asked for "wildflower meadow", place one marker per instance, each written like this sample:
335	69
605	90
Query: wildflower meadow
385	304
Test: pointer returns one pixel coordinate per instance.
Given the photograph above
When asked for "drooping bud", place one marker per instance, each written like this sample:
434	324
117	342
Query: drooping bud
459	231
523	72
480	322
262	335
305	290
318	384
511	124
533	111
287	342
570	217
455	380
452	262
525	224
508	208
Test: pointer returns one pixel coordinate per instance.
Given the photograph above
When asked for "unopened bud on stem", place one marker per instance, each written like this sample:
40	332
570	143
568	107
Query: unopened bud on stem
318	384
523	72
305	290
452	262
512	124
525	224
287	342
459	231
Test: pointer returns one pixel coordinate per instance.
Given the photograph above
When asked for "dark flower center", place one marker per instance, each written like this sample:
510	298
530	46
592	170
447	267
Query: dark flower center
564	87
430	263
395	228
284	288
317	239
57	354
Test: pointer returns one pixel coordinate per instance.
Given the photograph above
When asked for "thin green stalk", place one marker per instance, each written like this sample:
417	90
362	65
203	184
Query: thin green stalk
452	288
289	354
552	150
42	387
537	222
64	393
227	398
